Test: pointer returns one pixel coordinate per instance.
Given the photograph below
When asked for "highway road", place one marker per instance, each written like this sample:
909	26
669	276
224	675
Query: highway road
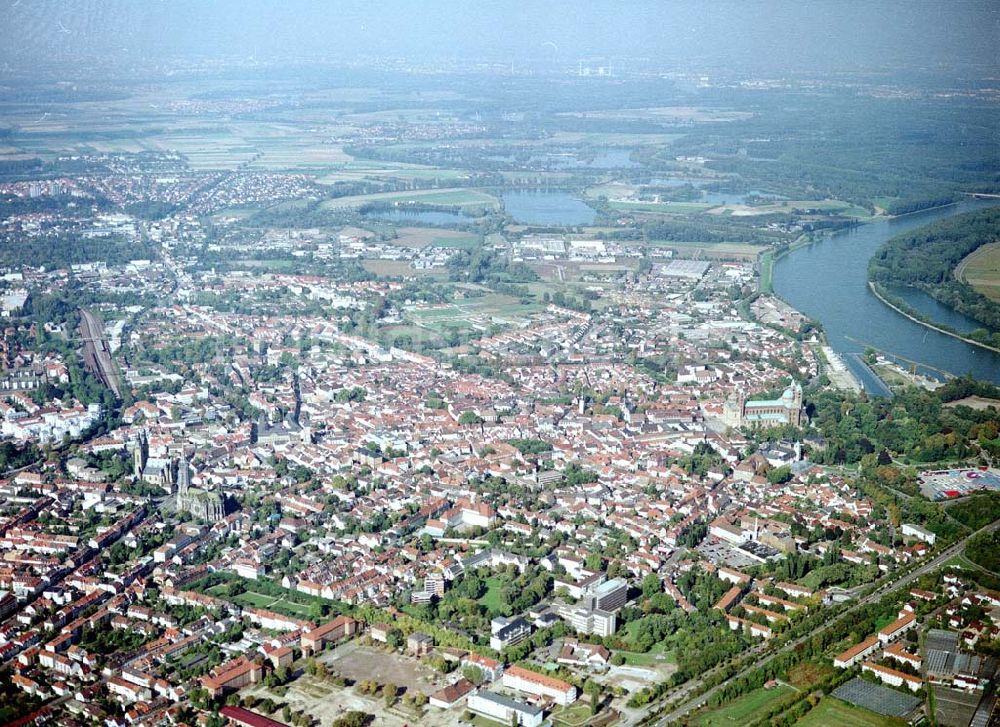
96	352
699	701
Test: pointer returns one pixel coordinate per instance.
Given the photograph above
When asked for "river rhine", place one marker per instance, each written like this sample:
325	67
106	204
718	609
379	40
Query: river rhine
828	282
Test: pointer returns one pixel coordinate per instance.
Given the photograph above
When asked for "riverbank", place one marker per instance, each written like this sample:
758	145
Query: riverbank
895	375
768	259
925	259
971	341
828	283
840	375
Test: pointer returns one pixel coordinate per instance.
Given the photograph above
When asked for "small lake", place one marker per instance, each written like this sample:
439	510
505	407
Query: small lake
426	217
543	207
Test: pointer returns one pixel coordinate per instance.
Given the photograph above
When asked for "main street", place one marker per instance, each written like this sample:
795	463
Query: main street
699	701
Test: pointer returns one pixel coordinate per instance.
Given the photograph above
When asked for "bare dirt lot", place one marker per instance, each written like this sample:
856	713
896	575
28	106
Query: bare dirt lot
356	661
325	701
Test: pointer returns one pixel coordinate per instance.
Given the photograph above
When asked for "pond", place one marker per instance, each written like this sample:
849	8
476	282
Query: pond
426	217
544	207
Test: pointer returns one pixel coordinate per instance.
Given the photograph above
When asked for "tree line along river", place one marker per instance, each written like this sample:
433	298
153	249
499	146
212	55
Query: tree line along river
828	281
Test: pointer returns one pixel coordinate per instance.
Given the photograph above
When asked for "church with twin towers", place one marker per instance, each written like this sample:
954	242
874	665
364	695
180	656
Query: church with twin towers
174	475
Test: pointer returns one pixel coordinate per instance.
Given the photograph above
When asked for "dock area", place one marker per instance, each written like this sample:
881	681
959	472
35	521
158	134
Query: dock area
840	375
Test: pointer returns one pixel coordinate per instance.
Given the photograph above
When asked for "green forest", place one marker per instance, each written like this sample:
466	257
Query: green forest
926	258
914	427
984	550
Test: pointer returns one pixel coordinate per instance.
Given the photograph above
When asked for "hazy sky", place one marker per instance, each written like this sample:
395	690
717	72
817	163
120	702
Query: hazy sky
745	35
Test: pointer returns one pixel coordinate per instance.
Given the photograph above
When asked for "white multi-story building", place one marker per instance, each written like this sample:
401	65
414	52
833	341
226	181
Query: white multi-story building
525	680
915	531
504	709
586	620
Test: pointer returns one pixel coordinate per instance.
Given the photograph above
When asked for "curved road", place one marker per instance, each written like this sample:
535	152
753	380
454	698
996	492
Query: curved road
699	701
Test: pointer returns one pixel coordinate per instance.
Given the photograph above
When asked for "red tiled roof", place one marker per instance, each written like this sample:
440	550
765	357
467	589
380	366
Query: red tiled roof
246	717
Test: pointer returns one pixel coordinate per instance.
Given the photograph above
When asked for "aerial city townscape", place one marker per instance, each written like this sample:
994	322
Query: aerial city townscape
576	378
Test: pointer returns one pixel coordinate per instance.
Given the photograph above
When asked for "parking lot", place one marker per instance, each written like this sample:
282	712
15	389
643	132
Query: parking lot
949	484
722	553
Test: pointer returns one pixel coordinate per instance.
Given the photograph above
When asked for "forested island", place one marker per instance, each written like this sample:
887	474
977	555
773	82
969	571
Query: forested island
926	258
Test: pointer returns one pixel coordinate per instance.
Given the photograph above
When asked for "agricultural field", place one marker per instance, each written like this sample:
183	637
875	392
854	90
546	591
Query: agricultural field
599	138
831	712
358	169
471	314
747	708
401	269
674	208
981	270
452	197
688	114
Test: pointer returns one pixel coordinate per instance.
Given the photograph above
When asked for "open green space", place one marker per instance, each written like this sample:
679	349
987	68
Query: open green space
475	313
491	599
659	654
807	673
767	272
747	708
572	715
264	594
679	208
252	599
831	712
